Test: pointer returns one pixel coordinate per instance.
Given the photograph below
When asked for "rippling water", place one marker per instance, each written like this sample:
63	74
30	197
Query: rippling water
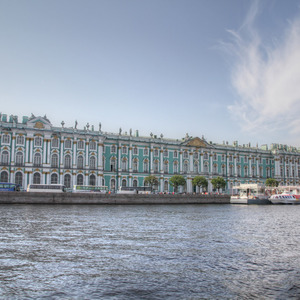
149	252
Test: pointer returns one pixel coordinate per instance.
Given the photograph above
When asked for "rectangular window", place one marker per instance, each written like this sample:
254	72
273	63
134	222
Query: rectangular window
54	143
80	145
146	151
68	144
20	140
5	139
93	145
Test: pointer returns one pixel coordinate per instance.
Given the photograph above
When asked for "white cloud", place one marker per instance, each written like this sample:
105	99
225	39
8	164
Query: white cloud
266	79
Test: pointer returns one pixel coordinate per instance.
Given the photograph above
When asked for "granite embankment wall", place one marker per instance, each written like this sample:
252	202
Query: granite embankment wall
70	198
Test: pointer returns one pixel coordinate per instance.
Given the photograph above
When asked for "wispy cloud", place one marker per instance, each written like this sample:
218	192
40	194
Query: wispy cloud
266	78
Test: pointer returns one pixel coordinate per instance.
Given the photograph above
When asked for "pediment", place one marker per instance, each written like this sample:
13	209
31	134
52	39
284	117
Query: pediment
39	122
197	142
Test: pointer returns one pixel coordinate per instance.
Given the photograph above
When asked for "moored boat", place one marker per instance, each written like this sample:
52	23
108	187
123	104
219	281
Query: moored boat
284	199
250	194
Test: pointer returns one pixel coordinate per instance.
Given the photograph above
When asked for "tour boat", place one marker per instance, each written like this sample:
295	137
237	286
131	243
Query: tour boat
284	199
250	194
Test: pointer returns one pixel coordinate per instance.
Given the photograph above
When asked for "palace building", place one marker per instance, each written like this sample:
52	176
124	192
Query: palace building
35	151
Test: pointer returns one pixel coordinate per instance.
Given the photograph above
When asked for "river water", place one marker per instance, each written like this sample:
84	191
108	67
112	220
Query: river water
149	252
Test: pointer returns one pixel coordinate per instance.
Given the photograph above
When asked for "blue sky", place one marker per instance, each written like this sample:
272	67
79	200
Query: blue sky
223	69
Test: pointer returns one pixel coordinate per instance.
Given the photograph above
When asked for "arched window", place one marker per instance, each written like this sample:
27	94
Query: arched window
215	168
155	166
92	162
166	166
38	141
175	167
80	162
68	161
205	167
4	176
113	164
92	180
134	183
124	164
37	159
113	184
80	179
19	178
231	170
54	178
146	166
19	158
54	161
4	158
135	165
185	167
67	180
166	186
196	167
36	178
124	182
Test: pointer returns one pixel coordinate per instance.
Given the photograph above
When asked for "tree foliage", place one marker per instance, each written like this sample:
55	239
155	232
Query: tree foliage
177	180
151	180
218	183
272	182
200	181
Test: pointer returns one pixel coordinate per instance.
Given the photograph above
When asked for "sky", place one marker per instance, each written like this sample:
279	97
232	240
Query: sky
225	70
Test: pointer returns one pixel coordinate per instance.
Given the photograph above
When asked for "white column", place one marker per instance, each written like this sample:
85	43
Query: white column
151	159
161	159
87	155
44	151
100	155
191	162
48	152
235	166
74	152
119	157
62	152
130	158
201	161
31	150
12	159
180	161
27	149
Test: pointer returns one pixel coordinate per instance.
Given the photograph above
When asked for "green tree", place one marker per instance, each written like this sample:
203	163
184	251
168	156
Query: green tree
218	183
272	182
200	181
176	181
151	180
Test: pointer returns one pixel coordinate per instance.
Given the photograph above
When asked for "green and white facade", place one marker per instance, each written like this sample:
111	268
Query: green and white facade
34	151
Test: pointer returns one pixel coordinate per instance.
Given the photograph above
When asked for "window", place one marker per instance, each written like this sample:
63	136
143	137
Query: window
230	158
124	150
195	155
37	160
215	156
54	142
54	178
231	170
135	165
146	151
245	159
223	157
146	166
205	167
166	166
155	152
93	145
196	167
124	164
166	153
19	178
113	184
36	178
20	140
134	183
92	180
54	161
175	154
80	179
19	159
245	172
124	182
68	161
215	168
166	186
135	150
185	167
4	158
113	149
205	155
5	139
38	141
68	144
155	166
80	145
113	164
175	167
185	154
80	162
223	170
67	180
92	162
4	176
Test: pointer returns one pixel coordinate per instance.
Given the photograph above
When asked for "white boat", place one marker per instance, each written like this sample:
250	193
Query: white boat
251	193
284	199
